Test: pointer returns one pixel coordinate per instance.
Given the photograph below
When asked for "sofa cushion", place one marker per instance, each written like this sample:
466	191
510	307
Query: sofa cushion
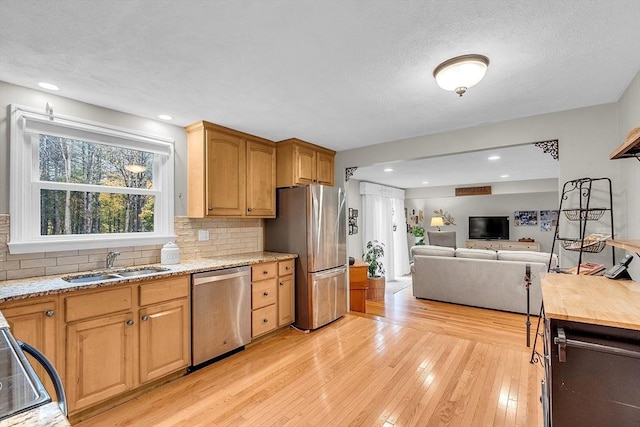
476	253
528	256
432	251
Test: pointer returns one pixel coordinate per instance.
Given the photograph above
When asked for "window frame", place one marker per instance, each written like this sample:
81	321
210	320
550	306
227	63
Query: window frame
25	183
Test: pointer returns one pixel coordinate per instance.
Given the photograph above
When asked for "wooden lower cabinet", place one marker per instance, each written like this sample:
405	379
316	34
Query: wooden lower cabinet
164	339
34	321
272	296
285	300
286	292
100	359
108	341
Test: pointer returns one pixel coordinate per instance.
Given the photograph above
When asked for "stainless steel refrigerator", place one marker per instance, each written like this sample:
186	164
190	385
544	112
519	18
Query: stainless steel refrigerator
311	222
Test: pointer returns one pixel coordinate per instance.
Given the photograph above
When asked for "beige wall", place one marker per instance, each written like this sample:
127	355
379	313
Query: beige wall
586	137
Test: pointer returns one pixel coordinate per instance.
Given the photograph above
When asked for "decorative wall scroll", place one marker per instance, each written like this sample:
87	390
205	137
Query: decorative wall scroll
550	147
474	191
348	172
353	221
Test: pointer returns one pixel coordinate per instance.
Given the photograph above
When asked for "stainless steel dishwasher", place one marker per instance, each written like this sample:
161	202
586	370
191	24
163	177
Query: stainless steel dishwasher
220	312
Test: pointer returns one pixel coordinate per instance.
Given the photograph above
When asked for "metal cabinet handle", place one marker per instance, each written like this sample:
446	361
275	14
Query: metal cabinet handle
266	294
145	318
265	272
130	322
249	209
210	208
281	283
265	320
288	267
49	313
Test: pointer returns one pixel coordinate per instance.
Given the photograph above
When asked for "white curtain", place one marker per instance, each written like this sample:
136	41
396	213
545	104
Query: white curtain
401	258
383	220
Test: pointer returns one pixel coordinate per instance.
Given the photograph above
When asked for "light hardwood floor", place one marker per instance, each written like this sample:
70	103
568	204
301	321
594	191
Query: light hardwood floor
407	362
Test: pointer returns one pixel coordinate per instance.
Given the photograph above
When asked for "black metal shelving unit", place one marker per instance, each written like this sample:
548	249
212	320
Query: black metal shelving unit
581	211
584	213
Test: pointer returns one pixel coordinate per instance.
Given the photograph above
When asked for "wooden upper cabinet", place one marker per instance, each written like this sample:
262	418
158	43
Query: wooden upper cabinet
324	168
302	163
226	174
230	173
261	178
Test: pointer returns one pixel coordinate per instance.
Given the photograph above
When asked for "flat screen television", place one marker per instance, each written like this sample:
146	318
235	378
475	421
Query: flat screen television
489	227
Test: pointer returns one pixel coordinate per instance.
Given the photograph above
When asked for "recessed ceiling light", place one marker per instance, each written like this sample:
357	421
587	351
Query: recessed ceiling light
494	158
425	182
165	117
388	170
49	86
504	176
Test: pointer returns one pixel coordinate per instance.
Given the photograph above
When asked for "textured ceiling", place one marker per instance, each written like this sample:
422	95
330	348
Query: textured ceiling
341	74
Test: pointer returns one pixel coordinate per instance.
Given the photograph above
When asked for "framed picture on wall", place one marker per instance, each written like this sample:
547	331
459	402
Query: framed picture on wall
548	219
525	218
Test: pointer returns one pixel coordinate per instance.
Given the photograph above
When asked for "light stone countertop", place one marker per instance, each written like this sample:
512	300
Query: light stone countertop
3	321
47	285
48	415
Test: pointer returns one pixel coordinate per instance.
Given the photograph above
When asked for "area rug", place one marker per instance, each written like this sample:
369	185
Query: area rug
400	283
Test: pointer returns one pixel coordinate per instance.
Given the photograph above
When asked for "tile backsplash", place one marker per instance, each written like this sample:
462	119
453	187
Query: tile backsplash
226	236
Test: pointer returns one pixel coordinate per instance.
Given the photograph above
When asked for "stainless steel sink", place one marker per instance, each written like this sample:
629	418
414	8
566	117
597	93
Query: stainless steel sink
141	272
115	274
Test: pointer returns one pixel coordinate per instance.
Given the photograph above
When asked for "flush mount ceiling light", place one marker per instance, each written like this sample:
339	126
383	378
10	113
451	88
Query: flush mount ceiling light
460	73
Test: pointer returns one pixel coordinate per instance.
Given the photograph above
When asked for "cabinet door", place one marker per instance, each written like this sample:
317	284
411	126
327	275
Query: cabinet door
164	339
35	324
225	174
324	168
305	165
100	359
285	300
261	179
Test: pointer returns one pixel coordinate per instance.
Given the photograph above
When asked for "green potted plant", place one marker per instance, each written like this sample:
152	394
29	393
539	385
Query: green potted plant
373	257
418	233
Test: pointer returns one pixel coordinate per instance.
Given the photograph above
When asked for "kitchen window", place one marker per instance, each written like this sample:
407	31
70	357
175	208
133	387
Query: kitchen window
82	185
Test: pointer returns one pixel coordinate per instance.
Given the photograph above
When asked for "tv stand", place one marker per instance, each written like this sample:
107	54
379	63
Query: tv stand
511	245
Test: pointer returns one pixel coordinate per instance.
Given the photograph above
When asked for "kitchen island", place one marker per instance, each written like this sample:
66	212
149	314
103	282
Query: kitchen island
592	350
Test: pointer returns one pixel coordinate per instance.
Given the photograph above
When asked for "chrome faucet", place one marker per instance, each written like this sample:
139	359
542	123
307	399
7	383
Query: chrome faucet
111	257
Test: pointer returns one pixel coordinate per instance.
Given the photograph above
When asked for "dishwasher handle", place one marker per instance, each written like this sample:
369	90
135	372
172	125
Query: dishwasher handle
218	275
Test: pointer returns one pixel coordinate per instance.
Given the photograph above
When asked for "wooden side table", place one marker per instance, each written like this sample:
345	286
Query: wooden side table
358	286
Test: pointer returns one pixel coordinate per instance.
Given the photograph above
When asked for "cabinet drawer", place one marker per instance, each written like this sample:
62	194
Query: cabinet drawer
285	267
161	290
265	270
263	293
97	303
263	320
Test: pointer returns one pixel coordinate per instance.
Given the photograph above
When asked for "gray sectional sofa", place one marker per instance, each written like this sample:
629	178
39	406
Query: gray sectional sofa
479	277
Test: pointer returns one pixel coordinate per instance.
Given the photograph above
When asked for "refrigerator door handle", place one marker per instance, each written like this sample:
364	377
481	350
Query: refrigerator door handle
330	273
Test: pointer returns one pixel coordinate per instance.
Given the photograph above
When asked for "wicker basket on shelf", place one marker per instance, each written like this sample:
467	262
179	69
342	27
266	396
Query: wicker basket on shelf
594	246
582	214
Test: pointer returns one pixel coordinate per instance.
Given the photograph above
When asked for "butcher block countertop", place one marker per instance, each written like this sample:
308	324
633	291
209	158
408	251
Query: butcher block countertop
592	299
